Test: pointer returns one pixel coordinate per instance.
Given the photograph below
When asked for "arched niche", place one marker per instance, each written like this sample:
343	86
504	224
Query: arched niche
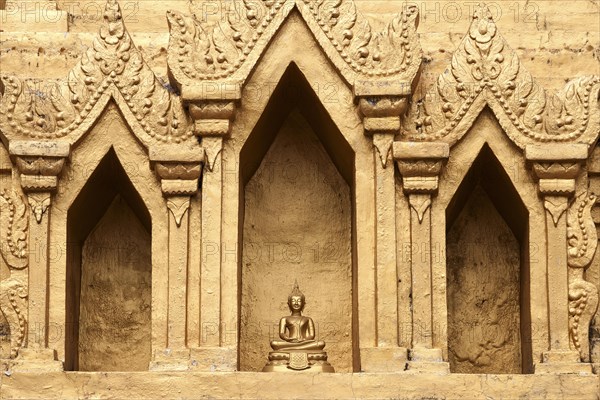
109	274
297	222
487	272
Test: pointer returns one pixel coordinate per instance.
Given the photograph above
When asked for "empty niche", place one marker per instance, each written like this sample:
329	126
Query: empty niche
109	274
487	274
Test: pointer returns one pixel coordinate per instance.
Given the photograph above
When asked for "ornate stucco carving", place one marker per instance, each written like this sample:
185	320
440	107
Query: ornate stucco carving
486	71
111	68
581	234
583	295
13	304
39	203
179	181
212	121
394	52
226	51
13	228
200	51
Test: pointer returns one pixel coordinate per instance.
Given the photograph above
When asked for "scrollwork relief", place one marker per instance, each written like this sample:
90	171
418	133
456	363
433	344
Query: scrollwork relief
14	228
485	70
581	231
583	295
111	67
13	304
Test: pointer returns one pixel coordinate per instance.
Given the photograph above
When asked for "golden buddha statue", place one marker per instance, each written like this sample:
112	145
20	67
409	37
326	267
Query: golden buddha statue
297	349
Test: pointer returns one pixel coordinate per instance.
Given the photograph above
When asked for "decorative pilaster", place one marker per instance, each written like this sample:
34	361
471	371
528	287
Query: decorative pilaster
381	120
179	178
420	164
557	168
39	164
212	122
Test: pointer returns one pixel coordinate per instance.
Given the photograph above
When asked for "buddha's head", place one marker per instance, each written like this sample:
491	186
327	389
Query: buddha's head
296	299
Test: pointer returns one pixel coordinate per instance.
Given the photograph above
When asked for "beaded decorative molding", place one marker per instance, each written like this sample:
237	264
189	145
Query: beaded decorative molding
227	50
486	71
113	68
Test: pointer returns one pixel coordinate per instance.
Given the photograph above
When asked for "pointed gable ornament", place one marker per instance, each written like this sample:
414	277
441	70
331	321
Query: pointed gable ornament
486	71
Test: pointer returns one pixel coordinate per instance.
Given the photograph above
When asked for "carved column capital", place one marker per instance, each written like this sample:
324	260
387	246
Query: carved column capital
39	163
179	181
381	120
178	177
554	163
375	106
212	122
212	117
179	174
420	164
556	168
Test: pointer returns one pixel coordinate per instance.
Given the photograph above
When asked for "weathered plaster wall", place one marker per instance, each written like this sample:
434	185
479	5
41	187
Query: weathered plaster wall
483	258
297	226
115	299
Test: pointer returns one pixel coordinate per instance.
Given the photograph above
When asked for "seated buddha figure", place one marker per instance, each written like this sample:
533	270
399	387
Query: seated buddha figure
297	349
296	331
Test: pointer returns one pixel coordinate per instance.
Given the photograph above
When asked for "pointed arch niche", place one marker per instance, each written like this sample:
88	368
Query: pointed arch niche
297	222
106	201
487	272
109	274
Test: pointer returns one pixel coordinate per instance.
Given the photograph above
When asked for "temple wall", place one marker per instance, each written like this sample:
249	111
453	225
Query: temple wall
169	169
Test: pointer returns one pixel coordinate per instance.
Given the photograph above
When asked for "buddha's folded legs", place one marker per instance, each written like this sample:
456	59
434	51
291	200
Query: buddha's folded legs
306	345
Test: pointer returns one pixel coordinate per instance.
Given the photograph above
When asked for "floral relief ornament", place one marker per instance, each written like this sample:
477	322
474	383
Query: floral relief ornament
486	71
582	242
201	50
13	305
13	228
111	68
13	292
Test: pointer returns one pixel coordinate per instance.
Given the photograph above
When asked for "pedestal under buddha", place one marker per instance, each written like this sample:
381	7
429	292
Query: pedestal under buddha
297	350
